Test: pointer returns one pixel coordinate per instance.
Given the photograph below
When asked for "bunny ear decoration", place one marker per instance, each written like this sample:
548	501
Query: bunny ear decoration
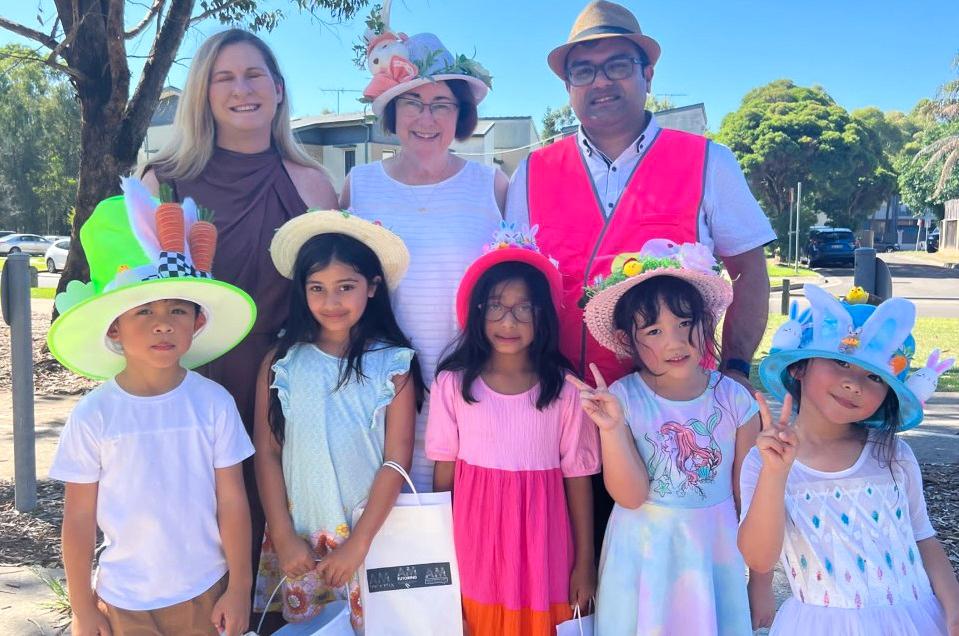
831	320
141	208
886	329
938	366
874	338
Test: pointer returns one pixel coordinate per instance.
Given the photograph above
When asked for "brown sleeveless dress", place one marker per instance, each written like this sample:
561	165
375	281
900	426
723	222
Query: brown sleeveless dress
251	196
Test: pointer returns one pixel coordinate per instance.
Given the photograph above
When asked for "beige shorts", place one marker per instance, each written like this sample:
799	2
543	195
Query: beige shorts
189	618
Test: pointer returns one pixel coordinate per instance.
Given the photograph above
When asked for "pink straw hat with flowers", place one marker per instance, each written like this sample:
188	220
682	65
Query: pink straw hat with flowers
692	262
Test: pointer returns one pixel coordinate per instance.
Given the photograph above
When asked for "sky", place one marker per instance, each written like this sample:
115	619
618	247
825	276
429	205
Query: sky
882	53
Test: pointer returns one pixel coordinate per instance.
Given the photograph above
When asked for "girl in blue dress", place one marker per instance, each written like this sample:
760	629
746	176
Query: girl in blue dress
336	398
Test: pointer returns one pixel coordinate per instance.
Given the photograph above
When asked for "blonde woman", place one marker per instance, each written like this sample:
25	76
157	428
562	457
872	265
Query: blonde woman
234	153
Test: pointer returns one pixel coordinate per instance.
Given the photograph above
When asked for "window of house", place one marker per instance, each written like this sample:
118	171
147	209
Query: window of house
349	160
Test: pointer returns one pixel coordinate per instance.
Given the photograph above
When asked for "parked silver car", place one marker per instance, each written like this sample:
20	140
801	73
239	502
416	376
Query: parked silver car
56	256
27	243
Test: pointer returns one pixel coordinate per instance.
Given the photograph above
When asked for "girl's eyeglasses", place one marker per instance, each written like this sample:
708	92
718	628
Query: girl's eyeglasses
494	311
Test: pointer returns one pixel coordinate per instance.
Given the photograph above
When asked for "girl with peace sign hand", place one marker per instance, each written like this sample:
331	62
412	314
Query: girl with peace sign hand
673	434
835	496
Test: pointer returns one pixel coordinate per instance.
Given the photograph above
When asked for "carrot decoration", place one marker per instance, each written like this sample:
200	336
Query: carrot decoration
203	240
170	230
166	193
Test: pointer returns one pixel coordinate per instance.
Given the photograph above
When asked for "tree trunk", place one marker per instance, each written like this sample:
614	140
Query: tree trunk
113	124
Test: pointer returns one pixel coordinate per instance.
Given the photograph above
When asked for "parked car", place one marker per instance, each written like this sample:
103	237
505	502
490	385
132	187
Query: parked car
830	245
6	233
932	241
55	237
28	243
56	256
885	246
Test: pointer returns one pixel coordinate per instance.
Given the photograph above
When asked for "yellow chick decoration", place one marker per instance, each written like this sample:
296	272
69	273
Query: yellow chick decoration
857	296
632	268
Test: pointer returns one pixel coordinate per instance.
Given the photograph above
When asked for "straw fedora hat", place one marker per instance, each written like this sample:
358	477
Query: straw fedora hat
602	19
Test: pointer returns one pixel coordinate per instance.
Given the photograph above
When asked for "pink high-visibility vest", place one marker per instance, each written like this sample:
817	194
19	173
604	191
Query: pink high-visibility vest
661	200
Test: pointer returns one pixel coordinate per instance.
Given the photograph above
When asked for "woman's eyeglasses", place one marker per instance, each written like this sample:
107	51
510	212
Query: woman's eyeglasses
414	107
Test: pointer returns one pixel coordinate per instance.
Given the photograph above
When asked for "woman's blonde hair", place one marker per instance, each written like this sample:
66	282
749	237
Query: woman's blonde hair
194	130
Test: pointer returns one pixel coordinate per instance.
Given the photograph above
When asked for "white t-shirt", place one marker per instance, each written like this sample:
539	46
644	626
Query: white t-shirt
850	536
153	459
730	219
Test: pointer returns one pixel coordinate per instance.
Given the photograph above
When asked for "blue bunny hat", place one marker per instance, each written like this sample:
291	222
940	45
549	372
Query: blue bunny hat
876	338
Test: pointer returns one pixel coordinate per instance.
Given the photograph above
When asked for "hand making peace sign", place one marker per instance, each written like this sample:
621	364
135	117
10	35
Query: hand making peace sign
599	404
777	440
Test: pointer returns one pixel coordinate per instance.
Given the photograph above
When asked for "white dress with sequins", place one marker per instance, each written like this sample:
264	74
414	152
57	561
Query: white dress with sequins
850	550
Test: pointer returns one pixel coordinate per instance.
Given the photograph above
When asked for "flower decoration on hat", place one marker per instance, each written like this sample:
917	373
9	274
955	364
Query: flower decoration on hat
657	254
398	62
509	235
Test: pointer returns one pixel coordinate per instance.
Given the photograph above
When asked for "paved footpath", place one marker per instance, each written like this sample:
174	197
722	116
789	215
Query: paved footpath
22	595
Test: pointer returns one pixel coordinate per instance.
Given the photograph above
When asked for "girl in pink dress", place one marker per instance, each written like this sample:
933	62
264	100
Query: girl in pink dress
510	440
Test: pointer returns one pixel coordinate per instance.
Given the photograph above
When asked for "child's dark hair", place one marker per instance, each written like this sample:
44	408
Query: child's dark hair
376	327
888	412
473	350
639	307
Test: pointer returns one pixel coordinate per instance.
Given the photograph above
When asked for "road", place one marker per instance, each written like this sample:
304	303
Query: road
935	290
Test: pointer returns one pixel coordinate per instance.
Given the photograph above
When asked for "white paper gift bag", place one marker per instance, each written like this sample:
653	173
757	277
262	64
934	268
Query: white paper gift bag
409	582
579	625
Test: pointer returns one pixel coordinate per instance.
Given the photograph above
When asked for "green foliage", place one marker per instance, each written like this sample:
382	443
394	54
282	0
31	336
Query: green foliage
929	165
918	179
655	104
555	120
39	144
375	26
783	134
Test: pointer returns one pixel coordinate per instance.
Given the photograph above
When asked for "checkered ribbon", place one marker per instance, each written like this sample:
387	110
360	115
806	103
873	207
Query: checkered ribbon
175	265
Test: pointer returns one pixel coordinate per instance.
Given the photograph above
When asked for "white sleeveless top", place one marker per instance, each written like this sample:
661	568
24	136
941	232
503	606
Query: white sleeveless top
460	217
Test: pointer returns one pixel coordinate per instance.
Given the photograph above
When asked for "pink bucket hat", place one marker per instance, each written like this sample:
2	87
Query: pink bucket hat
692	262
509	245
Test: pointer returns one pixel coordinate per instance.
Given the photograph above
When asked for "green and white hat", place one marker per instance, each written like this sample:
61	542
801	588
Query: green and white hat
128	268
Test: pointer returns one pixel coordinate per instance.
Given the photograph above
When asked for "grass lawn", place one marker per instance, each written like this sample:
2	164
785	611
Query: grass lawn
43	292
36	292
937	258
930	333
35	261
778	272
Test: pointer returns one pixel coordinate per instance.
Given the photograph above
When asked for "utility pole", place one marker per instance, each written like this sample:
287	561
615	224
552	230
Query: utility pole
339	91
789	236
798	204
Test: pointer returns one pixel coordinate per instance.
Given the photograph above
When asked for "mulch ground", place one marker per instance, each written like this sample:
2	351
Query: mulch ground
49	376
33	538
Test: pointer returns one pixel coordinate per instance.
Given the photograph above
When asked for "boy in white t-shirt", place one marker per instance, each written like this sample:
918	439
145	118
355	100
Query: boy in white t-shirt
152	456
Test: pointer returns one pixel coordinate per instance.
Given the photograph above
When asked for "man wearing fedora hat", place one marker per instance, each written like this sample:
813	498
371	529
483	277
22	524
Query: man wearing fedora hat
622	180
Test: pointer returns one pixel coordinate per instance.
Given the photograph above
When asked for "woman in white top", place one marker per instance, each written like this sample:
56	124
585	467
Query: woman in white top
443	207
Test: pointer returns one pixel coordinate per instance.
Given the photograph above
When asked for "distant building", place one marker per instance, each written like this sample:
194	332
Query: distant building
949	226
341	141
690	118
895	222
160	130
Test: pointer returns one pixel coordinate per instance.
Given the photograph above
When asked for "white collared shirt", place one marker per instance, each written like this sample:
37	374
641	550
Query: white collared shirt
730	220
